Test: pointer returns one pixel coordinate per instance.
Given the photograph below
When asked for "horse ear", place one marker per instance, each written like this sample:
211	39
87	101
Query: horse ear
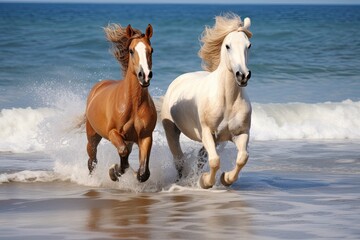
149	31
129	31
247	23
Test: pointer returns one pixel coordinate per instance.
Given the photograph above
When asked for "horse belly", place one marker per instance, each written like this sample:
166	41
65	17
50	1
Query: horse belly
180	104
179	114
189	127
97	118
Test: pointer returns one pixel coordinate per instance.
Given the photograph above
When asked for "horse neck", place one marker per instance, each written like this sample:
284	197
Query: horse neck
137	94
228	84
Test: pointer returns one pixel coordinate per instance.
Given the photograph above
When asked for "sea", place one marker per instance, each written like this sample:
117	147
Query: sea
302	180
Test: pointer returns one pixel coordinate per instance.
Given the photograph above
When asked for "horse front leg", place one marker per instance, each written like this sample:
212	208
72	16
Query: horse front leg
115	170
207	180
241	142
124	151
117	140
145	144
124	160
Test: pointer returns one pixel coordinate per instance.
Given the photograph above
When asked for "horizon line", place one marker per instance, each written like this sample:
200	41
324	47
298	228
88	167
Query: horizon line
176	2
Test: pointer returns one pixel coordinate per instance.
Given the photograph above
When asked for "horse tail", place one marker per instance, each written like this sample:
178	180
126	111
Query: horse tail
79	123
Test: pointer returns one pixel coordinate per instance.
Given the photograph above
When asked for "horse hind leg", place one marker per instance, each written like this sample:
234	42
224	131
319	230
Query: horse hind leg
93	141
202	159
172	133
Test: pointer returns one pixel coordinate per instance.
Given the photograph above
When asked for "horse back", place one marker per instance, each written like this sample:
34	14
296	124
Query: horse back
97	88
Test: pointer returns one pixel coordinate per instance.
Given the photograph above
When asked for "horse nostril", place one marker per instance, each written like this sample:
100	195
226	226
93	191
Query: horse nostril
248	76
140	74
150	74
239	75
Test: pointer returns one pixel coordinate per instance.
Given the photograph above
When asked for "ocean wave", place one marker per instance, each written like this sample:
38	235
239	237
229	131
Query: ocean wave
30	130
21	129
318	121
28	176
51	131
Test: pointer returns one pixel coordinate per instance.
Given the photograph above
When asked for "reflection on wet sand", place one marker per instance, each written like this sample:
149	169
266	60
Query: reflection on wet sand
170	215
122	218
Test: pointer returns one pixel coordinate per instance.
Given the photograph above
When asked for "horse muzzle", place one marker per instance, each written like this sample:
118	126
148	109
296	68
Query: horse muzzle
144	79
242	79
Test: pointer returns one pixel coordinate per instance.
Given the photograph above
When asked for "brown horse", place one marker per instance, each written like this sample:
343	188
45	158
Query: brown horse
123	111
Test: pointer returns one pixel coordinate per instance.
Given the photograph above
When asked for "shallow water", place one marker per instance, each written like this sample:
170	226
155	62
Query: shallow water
281	194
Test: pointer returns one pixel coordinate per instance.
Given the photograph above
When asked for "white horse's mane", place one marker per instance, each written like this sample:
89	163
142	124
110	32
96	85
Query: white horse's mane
212	38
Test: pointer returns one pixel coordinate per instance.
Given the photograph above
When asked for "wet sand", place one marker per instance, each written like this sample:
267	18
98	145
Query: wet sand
275	198
260	207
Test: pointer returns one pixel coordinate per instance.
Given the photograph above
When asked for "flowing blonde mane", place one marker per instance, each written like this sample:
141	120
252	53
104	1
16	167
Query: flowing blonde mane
116	34
213	37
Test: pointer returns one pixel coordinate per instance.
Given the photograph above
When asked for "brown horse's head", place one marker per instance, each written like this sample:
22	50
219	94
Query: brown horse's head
140	54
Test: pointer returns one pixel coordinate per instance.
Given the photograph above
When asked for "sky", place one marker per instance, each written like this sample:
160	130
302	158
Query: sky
201	1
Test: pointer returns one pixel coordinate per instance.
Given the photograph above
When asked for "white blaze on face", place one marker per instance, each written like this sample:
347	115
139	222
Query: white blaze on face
141	50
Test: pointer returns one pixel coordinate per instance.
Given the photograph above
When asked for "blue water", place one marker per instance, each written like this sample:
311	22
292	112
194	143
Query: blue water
307	54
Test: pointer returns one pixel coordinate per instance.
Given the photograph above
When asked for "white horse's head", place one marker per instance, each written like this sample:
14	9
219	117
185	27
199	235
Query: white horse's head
235	52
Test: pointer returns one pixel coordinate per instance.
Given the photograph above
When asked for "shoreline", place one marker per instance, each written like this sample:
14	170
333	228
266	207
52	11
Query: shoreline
266	205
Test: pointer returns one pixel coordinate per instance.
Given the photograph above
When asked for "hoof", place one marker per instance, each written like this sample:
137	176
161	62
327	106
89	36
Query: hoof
222	180
91	165
202	184
144	177
180	173
114	173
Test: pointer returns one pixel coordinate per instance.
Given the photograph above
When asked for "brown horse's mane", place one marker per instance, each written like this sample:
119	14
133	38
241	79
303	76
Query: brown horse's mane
116	34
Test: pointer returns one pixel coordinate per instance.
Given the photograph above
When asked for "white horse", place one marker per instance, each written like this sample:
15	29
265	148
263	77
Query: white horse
212	106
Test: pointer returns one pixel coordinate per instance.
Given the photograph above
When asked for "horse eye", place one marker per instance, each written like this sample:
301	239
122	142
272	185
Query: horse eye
152	50
249	46
227	47
131	51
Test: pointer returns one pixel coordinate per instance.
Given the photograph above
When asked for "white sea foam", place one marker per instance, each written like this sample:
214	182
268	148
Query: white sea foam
28	176
29	130
306	121
20	129
51	130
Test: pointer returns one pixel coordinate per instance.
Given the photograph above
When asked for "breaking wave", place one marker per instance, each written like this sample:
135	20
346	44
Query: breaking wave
29	130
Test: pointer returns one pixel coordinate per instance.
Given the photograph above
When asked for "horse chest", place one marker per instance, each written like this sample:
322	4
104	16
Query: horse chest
136	125
232	122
